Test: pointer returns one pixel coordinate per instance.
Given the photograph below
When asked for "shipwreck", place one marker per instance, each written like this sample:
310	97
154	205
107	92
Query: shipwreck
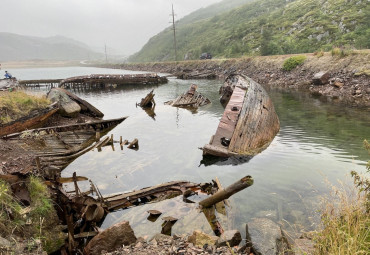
249	122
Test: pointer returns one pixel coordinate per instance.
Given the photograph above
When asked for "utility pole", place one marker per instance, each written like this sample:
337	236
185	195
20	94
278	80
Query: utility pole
106	56
174	32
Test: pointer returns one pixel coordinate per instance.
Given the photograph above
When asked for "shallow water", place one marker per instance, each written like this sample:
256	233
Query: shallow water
317	142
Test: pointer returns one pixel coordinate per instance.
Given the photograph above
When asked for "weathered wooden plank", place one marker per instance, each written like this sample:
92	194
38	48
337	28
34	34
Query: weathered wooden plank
249	122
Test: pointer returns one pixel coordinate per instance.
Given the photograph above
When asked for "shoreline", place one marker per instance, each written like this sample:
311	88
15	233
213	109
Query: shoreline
348	82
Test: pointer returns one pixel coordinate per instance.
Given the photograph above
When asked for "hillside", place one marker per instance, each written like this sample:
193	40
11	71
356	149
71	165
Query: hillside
266	27
15	47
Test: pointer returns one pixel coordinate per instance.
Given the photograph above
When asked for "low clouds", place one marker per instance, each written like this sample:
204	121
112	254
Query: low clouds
125	25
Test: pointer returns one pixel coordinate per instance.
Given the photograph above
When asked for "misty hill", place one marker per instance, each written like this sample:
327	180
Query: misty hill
15	47
266	27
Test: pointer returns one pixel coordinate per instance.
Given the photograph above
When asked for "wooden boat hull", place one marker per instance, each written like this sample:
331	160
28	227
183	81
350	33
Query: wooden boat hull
34	120
249	122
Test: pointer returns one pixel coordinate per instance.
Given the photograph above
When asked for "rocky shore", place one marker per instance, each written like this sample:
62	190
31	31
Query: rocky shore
347	80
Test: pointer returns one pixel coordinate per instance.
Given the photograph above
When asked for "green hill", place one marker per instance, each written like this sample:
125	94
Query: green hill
266	27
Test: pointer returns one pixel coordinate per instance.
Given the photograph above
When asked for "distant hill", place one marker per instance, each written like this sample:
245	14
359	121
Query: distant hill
15	47
264	27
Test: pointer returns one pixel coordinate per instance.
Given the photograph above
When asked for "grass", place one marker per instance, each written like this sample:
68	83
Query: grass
346	219
17	104
36	222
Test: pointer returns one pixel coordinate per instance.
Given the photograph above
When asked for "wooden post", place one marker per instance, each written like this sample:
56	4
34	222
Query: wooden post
227	192
98	135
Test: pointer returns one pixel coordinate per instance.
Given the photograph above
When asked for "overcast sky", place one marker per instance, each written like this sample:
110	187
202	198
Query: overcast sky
125	25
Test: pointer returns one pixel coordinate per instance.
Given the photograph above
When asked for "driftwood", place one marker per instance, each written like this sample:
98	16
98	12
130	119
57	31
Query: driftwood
192	99
220	195
249	122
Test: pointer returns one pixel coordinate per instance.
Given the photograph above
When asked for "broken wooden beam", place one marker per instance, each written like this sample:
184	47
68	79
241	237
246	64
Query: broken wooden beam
227	192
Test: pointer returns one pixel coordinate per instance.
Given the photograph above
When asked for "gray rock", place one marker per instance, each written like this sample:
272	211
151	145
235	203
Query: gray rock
5	243
233	237
110	239
266	237
67	107
321	78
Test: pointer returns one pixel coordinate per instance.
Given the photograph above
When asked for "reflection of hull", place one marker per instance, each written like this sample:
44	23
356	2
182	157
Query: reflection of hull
249	122
58	146
33	120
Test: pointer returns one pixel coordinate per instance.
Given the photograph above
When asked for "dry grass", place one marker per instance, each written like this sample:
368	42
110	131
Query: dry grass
14	105
346	219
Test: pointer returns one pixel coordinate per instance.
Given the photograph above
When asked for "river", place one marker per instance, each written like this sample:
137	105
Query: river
318	145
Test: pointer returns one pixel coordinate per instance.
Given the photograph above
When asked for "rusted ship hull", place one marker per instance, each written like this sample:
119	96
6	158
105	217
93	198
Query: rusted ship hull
249	122
35	119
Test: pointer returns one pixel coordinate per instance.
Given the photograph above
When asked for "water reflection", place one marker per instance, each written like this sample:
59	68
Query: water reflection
316	142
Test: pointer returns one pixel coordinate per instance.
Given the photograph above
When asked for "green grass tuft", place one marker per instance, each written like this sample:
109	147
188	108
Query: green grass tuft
292	62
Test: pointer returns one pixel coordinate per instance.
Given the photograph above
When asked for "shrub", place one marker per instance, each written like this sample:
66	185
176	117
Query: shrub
341	51
318	54
293	62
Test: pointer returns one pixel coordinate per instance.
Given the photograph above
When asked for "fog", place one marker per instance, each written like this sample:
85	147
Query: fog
125	25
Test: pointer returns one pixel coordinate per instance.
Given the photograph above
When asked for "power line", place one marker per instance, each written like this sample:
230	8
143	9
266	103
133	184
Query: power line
174	32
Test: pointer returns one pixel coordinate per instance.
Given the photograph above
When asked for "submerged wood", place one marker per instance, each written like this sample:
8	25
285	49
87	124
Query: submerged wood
223	194
148	100
249	122
118	79
192	99
145	195
34	119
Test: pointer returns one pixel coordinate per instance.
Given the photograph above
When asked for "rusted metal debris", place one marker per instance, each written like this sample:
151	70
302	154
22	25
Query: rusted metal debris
190	99
249	122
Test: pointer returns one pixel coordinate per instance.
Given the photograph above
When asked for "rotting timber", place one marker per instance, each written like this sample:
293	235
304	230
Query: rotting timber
83	212
55	147
190	99
249	122
101	80
35	119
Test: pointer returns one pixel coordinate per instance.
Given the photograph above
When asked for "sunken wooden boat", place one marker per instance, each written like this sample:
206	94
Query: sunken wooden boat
35	119
118	79
56	147
249	122
190	99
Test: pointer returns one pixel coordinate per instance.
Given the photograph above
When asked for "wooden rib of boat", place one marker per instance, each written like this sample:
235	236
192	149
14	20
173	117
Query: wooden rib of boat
190	99
34	119
249	122
58	146
149	78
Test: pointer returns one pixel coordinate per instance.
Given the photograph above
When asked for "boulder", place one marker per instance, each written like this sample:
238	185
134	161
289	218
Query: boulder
266	237
321	78
110	239
199	239
233	237
67	107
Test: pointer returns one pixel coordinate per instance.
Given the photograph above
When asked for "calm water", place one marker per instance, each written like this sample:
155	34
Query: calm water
316	142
